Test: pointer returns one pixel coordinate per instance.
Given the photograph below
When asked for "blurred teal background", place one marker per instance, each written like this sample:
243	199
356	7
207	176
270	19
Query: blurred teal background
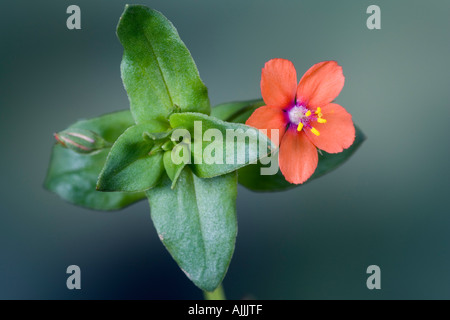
386	206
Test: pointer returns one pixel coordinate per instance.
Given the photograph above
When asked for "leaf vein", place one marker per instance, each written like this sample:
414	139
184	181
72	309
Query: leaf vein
158	64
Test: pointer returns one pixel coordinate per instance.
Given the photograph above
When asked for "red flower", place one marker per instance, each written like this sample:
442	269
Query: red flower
303	114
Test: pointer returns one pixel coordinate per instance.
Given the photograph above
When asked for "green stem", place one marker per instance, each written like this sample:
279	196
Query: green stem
217	294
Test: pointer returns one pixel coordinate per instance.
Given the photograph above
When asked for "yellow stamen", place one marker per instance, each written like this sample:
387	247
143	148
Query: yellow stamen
314	130
300	127
321	120
308	113
319	110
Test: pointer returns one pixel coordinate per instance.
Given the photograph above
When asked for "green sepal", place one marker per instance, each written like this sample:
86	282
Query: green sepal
157	135
173	170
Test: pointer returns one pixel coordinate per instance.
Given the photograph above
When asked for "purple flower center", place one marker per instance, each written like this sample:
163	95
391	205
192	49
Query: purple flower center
300	114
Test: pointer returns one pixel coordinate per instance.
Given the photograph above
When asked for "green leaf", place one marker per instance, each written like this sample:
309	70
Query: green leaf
158	71
237	112
173	170
157	135
109	126
73	176
129	167
251	178
221	152
196	221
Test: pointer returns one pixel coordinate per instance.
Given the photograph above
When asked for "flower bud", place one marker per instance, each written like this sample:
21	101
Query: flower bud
81	140
168	145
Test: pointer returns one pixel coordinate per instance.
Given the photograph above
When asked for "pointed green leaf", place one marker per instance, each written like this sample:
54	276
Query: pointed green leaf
220	147
73	176
109	126
157	135
129	167
196	221
251	178
237	112
158	71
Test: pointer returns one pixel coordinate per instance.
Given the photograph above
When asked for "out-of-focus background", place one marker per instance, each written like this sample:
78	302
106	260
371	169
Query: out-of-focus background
388	205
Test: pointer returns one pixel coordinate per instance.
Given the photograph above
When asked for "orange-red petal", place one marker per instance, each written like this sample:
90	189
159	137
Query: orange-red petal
298	157
321	84
279	83
269	118
337	134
